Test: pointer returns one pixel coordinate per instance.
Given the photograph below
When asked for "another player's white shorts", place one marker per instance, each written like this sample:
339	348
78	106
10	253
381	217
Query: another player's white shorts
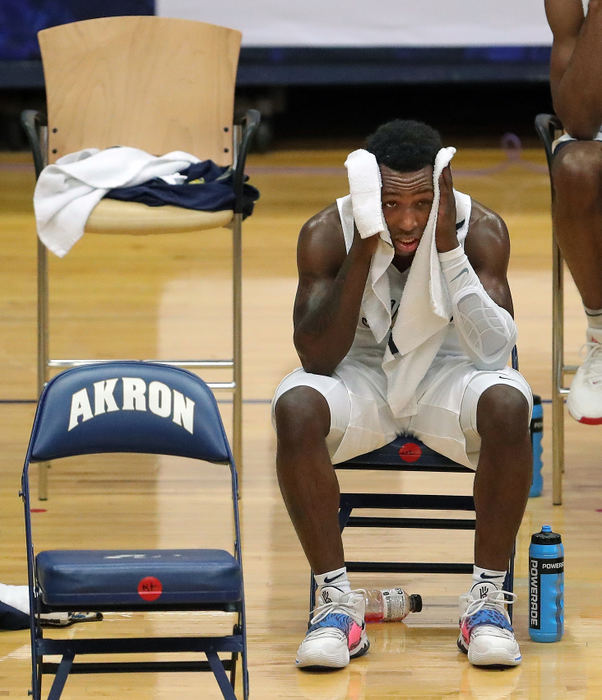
446	420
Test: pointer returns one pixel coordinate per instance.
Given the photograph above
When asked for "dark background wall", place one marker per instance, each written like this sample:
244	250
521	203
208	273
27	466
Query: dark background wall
316	96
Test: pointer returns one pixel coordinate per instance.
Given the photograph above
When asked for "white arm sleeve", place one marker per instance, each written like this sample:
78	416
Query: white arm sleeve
487	332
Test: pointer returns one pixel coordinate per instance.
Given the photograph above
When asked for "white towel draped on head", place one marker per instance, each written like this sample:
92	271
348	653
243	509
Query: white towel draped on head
424	312
365	184
425	308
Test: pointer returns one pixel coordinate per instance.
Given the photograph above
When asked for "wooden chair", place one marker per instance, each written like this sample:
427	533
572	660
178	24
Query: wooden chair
157	84
548	128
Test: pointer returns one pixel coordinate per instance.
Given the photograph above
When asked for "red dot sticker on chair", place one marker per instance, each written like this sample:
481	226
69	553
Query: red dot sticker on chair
410	452
149	588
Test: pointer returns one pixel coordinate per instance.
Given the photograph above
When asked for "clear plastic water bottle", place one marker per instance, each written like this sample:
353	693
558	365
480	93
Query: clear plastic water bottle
536	435
546	586
390	604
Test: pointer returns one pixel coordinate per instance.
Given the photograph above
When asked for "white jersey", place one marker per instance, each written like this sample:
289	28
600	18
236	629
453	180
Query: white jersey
365	348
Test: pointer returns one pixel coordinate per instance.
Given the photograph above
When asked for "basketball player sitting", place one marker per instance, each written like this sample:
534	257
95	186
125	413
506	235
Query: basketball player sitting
576	82
344	401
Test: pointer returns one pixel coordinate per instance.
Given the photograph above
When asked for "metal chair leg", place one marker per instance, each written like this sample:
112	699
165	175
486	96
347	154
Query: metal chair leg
237	341
43	352
548	126
557	374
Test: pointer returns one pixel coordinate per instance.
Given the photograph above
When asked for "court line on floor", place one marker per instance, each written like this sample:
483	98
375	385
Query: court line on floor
245	401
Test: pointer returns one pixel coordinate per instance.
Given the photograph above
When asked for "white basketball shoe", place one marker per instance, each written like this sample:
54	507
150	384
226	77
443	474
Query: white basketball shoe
336	632
585	398
486	634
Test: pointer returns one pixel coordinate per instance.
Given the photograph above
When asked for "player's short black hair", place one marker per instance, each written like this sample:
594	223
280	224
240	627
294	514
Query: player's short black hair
404	145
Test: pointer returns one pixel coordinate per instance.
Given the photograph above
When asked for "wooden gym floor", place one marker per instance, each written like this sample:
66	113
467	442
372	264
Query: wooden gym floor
159	284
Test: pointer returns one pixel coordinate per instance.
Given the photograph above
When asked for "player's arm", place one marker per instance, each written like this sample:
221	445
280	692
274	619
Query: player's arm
487	247
329	293
478	285
575	75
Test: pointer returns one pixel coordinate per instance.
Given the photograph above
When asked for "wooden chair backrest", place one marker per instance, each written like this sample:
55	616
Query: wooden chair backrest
154	83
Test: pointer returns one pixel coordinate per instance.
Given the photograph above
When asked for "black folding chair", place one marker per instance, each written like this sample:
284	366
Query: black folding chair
406	453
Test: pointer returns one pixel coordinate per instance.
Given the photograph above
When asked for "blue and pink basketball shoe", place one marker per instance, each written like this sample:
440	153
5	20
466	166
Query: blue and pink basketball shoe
486	634
337	631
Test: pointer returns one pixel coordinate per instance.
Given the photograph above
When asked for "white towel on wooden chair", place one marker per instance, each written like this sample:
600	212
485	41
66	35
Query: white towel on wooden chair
67	191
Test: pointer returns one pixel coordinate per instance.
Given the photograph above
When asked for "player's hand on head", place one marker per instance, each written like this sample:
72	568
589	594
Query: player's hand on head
367	244
445	234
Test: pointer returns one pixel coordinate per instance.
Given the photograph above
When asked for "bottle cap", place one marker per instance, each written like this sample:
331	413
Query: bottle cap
546	536
415	602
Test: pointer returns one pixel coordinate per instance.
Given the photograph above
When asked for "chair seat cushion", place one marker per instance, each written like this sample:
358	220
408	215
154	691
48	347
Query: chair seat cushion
122	578
113	216
407	453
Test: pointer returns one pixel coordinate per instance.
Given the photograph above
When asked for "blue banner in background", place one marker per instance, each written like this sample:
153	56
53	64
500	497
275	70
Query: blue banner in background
21	20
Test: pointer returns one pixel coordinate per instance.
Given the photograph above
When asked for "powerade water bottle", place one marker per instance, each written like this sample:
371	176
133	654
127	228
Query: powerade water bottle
546	586
536	428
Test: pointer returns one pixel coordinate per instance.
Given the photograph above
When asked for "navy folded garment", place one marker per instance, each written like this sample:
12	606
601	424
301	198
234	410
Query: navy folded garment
14	619
208	187
11	618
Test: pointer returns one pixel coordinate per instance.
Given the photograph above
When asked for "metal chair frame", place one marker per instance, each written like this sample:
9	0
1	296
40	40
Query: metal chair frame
548	128
406	453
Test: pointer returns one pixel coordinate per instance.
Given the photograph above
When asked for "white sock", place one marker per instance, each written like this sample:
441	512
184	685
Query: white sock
485	580
594	318
337	578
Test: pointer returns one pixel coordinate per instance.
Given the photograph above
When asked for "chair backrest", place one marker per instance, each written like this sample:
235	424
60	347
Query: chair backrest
548	127
128	406
154	83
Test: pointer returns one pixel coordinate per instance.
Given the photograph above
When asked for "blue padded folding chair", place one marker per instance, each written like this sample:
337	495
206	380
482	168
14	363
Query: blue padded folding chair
406	453
128	406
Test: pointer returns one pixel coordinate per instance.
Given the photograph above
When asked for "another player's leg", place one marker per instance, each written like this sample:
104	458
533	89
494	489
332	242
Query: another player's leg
577	213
